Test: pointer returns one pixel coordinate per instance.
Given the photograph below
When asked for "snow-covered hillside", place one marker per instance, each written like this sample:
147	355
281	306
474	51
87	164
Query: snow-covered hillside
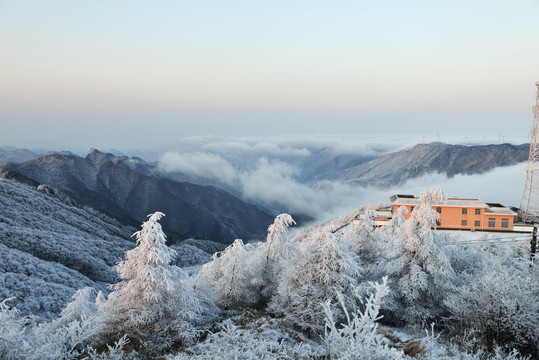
49	248
337	290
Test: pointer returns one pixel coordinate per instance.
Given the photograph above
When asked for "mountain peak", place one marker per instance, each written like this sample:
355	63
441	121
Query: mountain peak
98	156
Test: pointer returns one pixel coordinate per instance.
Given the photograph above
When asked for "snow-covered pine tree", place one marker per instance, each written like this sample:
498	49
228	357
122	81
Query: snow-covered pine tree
416	263
269	257
154	303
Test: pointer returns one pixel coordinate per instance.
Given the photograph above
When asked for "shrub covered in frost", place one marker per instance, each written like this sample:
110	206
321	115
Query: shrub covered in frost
262	338
358	337
323	267
499	304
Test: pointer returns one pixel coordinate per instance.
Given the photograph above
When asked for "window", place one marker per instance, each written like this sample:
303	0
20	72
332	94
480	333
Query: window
464	211
464	223
491	222
477	223
439	210
477	211
505	223
412	208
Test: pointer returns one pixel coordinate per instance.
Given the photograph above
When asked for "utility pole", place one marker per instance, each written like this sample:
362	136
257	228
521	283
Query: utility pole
533	243
529	207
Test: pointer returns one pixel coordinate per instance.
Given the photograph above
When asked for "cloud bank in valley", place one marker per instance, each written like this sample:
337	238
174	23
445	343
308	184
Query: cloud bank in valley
502	185
260	172
200	164
270	183
292	146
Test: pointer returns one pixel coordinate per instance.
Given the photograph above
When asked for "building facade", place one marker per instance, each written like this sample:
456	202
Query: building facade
464	214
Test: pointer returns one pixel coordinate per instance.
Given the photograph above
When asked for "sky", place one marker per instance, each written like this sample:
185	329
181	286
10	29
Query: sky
135	74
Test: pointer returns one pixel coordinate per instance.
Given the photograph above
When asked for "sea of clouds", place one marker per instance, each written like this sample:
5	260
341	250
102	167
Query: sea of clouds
266	172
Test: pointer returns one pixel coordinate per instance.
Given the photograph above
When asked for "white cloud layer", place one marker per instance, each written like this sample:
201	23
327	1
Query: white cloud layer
293	146
502	185
201	164
273	183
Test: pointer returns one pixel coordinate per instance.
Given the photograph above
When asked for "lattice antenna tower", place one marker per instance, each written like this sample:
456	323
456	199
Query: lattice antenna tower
529	206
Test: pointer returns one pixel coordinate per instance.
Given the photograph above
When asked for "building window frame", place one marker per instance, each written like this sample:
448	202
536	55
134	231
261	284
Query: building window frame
477	223
464	211
477	211
464	222
439	210
491	222
505	223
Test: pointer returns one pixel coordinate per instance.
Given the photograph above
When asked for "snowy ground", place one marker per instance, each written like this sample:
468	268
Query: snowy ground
488	237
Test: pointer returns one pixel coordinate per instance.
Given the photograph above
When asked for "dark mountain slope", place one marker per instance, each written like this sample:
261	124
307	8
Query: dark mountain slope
129	189
396	168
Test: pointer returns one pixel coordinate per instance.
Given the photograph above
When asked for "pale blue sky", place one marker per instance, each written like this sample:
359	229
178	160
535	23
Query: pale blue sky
124	74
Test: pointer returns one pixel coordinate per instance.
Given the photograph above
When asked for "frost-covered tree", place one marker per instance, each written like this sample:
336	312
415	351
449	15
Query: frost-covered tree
418	268
268	258
247	275
323	266
363	238
155	302
229	276
81	307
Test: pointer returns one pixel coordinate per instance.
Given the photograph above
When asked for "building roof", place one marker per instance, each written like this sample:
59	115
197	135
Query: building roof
399	199
499	209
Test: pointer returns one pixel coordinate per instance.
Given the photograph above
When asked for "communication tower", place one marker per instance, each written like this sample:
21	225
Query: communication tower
529	207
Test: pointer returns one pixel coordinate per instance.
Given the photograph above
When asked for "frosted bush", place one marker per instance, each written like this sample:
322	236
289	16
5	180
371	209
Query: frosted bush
264	342
358	338
22	338
498	304
323	267
229	275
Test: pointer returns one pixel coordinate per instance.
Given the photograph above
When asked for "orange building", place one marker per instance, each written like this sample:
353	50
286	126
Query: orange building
466	214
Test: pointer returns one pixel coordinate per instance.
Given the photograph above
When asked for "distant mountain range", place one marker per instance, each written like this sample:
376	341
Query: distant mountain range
11	154
398	167
128	189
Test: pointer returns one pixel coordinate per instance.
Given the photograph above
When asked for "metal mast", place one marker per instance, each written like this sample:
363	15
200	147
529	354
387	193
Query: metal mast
529	206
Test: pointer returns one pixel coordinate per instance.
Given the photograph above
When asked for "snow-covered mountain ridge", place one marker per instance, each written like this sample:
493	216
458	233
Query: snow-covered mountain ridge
398	167
128	189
